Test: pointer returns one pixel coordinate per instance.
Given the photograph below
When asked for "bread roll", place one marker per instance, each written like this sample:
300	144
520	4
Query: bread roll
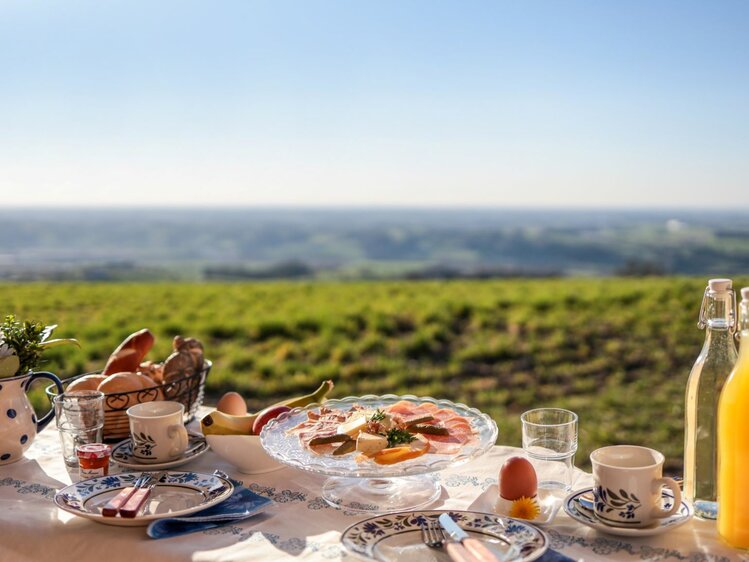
178	365
153	370
153	388
128	356
88	382
146	381
193	345
121	382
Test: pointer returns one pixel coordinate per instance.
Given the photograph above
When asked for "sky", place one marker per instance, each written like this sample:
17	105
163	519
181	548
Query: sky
558	103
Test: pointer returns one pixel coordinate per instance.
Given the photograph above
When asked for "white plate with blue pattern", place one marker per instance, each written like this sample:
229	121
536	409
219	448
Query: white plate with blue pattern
177	494
397	536
581	510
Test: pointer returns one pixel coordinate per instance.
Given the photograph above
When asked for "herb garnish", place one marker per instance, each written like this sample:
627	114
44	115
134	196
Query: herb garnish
378	416
398	436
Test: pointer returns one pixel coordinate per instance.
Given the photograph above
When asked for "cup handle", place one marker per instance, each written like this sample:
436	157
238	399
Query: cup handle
49	416
674	487
178	431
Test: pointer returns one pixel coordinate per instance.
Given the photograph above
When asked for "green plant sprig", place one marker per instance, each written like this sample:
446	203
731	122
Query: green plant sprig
29	340
398	436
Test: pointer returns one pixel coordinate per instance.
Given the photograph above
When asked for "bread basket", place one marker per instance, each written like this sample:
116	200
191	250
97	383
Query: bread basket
188	390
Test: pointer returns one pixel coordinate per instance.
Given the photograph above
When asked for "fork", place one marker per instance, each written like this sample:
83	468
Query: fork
433	536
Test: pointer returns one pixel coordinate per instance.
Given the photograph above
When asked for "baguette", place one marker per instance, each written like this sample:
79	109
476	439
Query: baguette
128	356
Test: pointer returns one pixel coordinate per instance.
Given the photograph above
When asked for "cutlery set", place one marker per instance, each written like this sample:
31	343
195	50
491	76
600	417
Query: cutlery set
459	545
129	502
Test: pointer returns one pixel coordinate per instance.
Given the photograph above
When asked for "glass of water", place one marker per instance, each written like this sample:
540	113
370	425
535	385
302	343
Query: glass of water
80	420
550	441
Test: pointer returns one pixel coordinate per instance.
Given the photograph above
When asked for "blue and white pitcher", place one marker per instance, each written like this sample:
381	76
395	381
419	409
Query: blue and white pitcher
18	423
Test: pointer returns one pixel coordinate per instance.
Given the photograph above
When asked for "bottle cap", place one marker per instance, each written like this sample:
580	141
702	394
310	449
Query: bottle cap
719	285
745	293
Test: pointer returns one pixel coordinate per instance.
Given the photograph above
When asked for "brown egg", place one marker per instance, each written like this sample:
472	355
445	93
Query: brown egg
232	403
517	479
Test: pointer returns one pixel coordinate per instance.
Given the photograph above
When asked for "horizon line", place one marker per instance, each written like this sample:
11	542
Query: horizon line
372	207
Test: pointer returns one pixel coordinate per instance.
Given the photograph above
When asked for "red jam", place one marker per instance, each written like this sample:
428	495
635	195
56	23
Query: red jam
93	459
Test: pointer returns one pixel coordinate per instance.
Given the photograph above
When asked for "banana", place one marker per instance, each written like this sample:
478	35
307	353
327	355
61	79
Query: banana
219	423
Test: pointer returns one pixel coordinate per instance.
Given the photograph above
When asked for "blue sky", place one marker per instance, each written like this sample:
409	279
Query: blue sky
555	103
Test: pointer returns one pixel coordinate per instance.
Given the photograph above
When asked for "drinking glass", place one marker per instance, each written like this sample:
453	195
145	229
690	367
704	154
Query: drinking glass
80	420
550	441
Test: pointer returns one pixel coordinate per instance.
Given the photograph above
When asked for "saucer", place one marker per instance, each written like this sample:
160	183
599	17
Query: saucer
122	454
580	511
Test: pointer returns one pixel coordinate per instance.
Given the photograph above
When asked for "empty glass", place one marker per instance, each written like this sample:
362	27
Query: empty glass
550	441
80	420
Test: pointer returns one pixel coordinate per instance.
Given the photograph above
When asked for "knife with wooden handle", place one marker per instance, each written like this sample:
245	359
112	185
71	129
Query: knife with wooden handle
459	553
474	546
112	507
135	503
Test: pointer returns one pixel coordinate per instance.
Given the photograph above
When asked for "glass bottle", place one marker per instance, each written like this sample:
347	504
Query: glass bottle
709	373
733	444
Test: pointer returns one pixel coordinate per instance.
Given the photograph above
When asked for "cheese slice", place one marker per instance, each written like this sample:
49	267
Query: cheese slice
353	426
370	444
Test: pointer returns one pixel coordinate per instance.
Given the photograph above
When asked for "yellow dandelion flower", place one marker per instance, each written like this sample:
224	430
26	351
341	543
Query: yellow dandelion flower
525	508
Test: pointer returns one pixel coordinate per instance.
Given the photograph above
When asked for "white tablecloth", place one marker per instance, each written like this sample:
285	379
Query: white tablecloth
300	526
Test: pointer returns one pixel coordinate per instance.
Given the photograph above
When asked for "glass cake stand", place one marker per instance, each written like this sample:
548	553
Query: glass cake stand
367	487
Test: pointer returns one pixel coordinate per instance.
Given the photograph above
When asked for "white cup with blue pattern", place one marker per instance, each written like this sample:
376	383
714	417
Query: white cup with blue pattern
629	486
157	431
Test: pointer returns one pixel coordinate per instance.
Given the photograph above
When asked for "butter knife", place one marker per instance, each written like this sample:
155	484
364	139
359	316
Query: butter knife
474	546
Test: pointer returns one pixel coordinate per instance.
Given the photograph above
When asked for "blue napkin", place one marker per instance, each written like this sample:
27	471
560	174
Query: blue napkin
240	505
554	556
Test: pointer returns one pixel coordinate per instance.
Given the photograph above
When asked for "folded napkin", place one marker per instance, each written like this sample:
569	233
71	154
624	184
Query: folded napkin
240	505
554	556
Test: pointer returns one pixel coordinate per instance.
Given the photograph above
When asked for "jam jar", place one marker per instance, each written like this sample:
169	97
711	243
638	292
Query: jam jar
93	460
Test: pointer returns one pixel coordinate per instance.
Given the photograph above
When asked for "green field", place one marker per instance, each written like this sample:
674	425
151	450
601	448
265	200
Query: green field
617	351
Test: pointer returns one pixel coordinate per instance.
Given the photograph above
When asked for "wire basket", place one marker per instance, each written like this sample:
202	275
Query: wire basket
188	390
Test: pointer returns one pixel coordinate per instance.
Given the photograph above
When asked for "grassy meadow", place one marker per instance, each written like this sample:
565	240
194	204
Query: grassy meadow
616	351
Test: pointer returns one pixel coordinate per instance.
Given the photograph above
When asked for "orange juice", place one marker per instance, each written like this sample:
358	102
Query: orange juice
733	444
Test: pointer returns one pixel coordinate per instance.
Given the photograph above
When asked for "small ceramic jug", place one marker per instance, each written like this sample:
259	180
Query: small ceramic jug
18	423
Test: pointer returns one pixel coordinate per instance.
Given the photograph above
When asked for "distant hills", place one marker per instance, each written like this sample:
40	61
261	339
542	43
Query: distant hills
239	244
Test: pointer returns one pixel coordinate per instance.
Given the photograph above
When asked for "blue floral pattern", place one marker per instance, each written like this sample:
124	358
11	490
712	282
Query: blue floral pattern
580	513
623	504
74	497
362	537
29	488
604	546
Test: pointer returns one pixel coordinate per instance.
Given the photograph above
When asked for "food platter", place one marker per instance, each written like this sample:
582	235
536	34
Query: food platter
368	487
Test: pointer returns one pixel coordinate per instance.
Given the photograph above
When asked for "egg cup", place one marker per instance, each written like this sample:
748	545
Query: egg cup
548	504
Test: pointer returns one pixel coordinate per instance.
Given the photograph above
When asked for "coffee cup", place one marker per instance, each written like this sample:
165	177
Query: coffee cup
157	431
628	486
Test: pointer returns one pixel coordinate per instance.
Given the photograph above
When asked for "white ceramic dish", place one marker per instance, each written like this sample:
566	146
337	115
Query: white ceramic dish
122	454
179	494
582	514
397	536
244	452
548	503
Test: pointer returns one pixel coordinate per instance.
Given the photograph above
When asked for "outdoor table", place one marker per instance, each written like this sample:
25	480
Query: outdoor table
300	526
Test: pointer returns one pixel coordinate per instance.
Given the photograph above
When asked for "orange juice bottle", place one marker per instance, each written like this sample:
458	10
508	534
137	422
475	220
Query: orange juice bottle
733	443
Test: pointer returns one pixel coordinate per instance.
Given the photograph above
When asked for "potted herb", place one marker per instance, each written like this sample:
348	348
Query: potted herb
21	347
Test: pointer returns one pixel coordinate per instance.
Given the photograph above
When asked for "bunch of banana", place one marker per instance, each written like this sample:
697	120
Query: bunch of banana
219	423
